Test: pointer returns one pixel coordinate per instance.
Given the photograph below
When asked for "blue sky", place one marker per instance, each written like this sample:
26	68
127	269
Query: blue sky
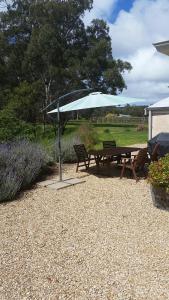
120	5
134	26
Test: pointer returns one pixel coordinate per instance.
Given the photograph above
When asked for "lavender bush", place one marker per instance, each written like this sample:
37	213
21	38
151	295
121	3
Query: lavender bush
20	164
68	153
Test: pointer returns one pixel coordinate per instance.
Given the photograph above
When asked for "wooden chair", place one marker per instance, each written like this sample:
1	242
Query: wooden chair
112	144
109	145
135	164
83	158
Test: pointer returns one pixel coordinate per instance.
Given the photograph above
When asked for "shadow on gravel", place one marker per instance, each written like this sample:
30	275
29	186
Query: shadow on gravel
111	170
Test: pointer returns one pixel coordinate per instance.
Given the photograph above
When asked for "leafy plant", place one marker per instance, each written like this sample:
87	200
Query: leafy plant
159	172
107	130
68	153
11	127
88	135
20	163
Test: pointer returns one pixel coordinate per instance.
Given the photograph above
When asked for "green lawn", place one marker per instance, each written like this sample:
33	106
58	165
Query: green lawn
123	134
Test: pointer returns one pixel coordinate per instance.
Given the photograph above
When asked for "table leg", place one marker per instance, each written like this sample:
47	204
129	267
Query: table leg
98	160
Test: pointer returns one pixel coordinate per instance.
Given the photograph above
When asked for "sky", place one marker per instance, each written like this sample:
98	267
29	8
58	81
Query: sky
134	26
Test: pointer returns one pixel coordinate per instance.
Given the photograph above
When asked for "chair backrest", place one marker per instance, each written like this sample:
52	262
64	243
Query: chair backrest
154	155
81	152
141	158
109	144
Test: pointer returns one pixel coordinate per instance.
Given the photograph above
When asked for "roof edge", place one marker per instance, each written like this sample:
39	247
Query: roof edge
157	108
161	43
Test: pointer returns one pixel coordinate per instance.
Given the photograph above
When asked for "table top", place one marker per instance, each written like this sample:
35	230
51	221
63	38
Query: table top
113	151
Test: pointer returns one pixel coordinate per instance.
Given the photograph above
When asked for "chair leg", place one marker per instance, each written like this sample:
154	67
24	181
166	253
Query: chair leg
77	167
134	174
86	165
122	171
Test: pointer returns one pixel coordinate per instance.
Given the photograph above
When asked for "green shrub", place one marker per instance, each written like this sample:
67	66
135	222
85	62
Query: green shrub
11	127
127	129
21	111
88	135
20	163
68	153
159	172
106	130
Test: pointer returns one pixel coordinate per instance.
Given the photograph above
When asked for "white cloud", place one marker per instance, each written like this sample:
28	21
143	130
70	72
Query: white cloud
133	34
149	90
101	9
149	78
149	65
145	24
128	35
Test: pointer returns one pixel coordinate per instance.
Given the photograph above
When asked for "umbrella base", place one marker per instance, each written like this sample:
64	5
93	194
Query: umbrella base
57	185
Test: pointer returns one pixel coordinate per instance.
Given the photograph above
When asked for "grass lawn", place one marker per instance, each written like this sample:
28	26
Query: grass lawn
123	134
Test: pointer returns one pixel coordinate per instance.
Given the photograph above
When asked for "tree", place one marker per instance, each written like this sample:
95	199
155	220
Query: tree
102	72
25	101
46	42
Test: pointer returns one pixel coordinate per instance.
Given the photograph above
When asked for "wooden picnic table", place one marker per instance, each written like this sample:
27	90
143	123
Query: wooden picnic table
108	153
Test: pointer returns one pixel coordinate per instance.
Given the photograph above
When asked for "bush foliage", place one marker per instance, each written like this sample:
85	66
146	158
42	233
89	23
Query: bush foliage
88	135
20	163
68	153
159	172
12	127
19	116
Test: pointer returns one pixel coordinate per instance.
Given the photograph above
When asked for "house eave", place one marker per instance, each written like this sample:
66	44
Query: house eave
162	47
158	108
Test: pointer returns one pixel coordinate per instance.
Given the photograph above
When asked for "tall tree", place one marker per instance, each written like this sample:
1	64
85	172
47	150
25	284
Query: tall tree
41	37
46	41
102	71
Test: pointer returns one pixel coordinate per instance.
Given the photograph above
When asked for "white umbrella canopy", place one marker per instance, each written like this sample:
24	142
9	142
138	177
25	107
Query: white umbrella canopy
97	99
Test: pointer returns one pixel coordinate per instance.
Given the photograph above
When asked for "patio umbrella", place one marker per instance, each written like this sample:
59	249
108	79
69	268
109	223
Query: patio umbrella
97	99
93	100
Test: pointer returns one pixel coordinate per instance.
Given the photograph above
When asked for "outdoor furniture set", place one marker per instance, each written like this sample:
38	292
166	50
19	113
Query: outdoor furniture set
111	153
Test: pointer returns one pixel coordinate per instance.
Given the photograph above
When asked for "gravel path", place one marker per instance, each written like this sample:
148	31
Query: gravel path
102	239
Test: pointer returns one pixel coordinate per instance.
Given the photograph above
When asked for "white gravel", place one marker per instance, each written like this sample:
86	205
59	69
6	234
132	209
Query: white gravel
102	239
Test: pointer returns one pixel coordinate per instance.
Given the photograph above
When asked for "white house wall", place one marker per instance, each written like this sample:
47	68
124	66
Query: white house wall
160	122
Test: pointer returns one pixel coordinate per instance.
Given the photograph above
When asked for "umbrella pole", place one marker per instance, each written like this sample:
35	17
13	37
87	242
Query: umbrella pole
59	144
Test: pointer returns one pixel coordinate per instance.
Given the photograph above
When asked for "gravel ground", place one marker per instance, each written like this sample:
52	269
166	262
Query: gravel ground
102	239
